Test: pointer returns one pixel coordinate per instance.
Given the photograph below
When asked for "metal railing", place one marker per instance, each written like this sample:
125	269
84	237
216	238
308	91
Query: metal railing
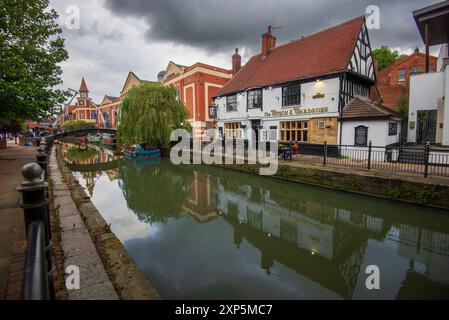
394	158
37	281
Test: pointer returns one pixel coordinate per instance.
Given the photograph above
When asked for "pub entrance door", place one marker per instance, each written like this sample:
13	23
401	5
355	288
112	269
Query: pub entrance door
255	126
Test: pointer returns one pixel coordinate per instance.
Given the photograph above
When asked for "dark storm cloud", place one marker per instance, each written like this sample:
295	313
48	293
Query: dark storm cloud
219	25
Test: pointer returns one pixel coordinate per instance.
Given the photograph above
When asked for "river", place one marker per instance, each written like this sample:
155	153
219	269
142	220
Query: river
203	232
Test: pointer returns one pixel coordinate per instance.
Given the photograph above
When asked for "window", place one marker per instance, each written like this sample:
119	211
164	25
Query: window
392	129
255	99
415	70
401	75
231	103
93	115
273	133
321	124
361	136
291	95
294	131
81	102
232	130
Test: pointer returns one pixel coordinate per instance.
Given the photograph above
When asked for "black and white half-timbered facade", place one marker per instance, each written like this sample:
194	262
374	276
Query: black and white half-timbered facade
298	91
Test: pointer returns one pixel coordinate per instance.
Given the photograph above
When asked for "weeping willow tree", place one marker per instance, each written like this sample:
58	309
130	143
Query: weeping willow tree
155	193
148	114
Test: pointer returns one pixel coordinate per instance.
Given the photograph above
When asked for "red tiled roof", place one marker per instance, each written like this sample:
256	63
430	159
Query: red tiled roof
360	107
321	53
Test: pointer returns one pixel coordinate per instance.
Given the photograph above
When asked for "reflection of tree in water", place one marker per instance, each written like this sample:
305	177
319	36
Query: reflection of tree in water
77	155
155	192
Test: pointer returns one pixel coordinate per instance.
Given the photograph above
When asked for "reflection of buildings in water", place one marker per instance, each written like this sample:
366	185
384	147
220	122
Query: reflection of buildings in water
429	248
199	202
333	240
112	174
90	178
293	238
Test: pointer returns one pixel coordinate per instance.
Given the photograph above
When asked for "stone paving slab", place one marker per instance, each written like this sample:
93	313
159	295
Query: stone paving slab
71	222
67	210
90	273
101	291
77	244
77	241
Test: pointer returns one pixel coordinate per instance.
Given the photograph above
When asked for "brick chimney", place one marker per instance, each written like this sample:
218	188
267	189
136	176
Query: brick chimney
236	62
268	42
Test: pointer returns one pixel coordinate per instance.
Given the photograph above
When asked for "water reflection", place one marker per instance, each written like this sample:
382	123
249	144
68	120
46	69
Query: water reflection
205	232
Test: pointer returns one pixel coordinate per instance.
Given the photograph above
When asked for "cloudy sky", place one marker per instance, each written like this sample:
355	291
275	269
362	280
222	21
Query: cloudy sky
117	36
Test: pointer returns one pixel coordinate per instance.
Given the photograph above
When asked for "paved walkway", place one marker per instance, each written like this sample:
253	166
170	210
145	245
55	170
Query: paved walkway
79	250
12	227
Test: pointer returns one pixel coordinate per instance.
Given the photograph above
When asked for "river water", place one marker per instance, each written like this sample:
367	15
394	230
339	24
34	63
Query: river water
202	232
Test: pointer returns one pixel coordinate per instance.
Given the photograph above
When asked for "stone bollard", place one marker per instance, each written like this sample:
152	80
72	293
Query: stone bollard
41	159
35	203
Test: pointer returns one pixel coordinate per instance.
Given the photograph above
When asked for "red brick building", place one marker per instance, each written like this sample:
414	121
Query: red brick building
394	81
83	109
110	106
196	85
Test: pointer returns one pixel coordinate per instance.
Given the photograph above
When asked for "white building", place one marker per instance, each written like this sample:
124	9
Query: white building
428	101
298	91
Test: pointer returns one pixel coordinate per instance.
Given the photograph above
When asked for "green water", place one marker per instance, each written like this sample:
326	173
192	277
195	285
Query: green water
204	232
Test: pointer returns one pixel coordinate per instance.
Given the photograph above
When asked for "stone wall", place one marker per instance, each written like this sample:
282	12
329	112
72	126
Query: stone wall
329	133
420	193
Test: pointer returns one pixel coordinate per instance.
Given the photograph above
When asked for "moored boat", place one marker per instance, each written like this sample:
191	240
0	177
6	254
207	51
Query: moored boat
95	138
109	140
140	153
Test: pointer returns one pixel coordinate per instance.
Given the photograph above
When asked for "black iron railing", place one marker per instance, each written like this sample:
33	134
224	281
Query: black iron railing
425	161
37	281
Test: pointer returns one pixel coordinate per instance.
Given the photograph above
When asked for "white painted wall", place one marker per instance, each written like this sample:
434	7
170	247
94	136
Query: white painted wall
272	100
425	90
377	132
445	140
442	54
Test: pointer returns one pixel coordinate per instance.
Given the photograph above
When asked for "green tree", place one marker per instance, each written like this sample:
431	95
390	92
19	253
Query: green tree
155	192
385	56
402	104
30	52
72	125
148	114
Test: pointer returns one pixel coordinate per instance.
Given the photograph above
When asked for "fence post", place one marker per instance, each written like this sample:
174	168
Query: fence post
41	159
325	153
35	204
426	159
369	154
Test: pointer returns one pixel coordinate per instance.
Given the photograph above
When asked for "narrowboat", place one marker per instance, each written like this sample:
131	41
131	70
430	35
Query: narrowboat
138	152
